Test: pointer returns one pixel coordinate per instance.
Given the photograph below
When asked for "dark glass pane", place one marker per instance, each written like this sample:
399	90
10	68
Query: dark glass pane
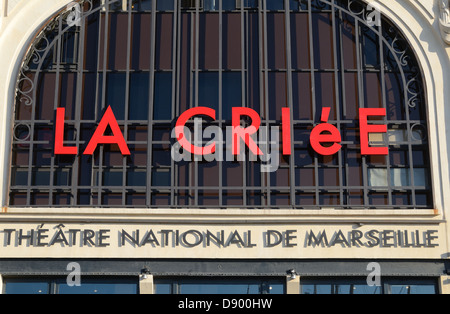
209	41
136	178
135	199
231	93
370	48
161	199
141	40
117	37
18	199
112	158
138	106
323	40
163	288
211	5
280	199
305	199
325	94
100	288
115	94
185	92
413	289
208	90
162	107
164	5
13	287
373	96
112	178
89	96
138	155
394	97
219	288
46	96
329	177
68	94
277	94
85	173
41	177
300	41
92	36
20	177
62	177
231	287
208	174
40	199
316	289
142	5
161	156
232	42
208	198
233	198
232	174
329	199
277	39
253	4
275	5
138	133
349	42
252	53
111	199
69	45
351	95
164	34
302	96
161	177
228	5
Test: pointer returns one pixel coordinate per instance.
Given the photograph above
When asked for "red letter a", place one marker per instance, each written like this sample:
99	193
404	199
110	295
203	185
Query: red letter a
100	138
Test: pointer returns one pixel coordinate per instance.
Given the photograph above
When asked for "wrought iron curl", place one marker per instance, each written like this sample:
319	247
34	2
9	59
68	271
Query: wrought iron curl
43	44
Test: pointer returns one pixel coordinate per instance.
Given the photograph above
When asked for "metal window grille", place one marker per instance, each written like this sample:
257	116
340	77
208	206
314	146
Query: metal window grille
152	60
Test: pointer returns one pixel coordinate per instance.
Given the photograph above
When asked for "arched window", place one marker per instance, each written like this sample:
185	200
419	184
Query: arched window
151	61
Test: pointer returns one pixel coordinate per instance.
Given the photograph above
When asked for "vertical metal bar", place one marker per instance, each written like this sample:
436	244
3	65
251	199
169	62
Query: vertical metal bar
173	176
151	104
192	94
196	69
343	99
313	88
97	87
410	150
105	64
359	61
383	97
127	103
177	72
221	66
244	93
55	103
266	94
261	80
79	95
290	99
338	103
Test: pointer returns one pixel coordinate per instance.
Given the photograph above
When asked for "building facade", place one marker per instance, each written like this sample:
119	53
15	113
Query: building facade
244	146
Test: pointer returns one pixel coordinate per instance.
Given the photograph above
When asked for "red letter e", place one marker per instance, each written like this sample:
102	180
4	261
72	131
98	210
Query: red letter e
366	128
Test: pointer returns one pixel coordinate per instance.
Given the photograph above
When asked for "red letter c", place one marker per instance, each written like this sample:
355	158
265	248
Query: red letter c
181	137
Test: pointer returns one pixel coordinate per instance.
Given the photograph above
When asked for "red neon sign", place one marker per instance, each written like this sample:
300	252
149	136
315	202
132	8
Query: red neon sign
325	138
318	136
98	138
